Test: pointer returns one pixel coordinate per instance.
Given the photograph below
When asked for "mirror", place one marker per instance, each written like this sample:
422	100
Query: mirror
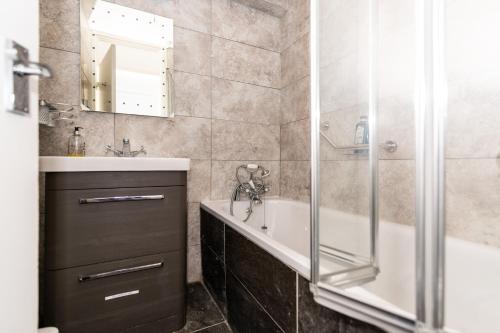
126	60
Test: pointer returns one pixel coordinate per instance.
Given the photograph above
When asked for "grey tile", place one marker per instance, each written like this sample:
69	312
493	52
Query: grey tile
295	100
244	102
192	14
473	200
295	180
295	61
191	51
244	63
295	140
201	311
224	180
397	191
97	131
163	137
347	189
192	95
214	276
272	7
64	85
193	229
199	180
473	120
194	263
241	141
295	22
244	24
60	24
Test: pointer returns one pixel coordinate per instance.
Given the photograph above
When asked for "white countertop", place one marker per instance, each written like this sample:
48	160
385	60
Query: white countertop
80	164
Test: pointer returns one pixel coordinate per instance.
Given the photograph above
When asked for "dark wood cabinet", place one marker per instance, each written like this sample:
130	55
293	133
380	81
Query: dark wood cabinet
115	251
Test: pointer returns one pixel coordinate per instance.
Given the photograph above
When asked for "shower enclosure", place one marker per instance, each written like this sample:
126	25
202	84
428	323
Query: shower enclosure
405	171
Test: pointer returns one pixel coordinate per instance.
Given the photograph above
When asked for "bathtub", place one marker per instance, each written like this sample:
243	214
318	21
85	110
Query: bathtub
472	270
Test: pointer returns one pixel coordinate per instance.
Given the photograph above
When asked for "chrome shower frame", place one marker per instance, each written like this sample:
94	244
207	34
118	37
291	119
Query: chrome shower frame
430	112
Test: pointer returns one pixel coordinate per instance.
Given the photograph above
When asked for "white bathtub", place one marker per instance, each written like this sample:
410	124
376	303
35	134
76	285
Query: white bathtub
472	270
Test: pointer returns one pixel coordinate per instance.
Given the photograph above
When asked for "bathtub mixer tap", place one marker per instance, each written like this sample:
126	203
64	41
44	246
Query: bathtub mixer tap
254	188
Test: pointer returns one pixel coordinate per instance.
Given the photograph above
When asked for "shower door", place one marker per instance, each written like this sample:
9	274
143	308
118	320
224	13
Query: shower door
378	107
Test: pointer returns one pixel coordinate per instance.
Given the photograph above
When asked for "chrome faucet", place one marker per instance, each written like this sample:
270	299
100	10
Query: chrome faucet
254	188
126	152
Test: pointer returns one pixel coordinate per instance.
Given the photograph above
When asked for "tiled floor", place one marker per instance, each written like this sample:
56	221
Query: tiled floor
203	315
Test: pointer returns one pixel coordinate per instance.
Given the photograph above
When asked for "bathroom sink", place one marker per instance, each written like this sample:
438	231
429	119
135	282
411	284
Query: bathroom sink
79	164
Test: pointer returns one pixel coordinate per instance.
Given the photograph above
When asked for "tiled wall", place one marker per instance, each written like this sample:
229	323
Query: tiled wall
294	115
227	74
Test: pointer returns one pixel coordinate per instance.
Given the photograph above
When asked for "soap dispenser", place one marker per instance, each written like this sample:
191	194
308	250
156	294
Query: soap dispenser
76	144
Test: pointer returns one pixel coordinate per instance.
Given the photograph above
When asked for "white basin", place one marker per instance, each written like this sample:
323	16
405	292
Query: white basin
78	164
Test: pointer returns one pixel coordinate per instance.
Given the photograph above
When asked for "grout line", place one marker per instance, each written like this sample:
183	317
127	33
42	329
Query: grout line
296	81
256	301
204	328
213	301
57	49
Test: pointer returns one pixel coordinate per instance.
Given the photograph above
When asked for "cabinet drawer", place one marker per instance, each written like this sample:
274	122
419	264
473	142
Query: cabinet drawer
85	227
115	296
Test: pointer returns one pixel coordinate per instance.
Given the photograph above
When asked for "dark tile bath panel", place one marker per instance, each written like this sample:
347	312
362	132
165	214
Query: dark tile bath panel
212	232
245	315
314	318
201	310
268	279
214	276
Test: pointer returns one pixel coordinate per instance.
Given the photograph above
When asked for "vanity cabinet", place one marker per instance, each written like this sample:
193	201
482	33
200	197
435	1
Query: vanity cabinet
115	251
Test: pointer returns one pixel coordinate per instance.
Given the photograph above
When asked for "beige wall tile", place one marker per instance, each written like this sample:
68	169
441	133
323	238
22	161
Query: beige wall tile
295	61
241	23
163	137
244	102
191	51
199	181
397	191
347	188
193	229
60	24
192	95
97	131
244	63
194	263
295	180
192	14
295	22
242	141
295	141
64	85
275	8
295	100
224	179
473	200
473	122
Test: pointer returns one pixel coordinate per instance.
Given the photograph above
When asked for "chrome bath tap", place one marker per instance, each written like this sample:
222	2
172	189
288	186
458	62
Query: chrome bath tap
254	188
126	152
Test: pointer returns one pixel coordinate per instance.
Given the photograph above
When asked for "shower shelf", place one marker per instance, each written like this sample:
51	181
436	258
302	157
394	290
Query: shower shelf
389	146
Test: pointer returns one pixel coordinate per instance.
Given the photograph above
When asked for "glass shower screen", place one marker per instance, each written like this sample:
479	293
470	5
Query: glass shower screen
366	151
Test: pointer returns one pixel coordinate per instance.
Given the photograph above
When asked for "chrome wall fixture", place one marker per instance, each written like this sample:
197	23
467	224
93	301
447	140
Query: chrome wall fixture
430	106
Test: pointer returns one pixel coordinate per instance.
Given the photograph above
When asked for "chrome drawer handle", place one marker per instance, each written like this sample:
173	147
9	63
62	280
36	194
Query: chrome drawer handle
84	278
122	198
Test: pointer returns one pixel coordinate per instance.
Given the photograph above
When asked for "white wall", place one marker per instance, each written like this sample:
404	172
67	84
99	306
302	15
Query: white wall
19	185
